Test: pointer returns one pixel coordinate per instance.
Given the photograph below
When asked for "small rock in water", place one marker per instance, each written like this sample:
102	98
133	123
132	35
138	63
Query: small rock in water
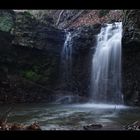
17	126
34	126
92	126
133	126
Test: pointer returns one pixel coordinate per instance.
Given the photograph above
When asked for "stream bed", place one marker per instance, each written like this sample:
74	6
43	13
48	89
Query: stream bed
73	116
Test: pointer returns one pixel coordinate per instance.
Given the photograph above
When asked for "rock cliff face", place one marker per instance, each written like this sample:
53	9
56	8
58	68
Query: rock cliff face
30	51
30	32
131	26
131	57
63	19
84	41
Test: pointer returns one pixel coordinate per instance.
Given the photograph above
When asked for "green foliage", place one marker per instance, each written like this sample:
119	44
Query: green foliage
6	23
36	69
31	75
27	13
103	13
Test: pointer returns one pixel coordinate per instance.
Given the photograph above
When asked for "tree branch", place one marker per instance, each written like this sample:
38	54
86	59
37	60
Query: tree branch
59	17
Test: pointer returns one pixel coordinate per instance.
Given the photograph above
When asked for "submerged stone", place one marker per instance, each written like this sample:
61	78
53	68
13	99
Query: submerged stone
92	126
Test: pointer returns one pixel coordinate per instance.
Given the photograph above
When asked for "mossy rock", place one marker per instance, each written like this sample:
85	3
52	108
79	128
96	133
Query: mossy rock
103	13
31	75
26	13
6	20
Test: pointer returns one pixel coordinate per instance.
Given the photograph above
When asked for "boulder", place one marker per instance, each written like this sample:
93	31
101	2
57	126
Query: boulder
29	32
134	126
93	126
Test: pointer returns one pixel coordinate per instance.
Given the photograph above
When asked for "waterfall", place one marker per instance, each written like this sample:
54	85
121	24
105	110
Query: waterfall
106	66
66	59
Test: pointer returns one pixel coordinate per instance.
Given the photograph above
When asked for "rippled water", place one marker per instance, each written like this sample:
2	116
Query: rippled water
75	116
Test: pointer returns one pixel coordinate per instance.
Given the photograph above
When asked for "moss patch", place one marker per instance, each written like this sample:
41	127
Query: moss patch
31	75
6	21
103	13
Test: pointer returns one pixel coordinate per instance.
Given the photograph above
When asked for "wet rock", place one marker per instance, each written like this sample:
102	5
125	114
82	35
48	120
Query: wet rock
83	45
6	20
68	99
84	37
131	26
134	126
29	32
17	126
131	57
34	126
93	126
29	58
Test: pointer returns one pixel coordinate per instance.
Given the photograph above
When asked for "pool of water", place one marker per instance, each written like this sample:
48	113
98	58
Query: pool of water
73	116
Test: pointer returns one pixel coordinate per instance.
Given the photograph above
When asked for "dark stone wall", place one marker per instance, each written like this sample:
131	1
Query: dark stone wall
131	57
29	58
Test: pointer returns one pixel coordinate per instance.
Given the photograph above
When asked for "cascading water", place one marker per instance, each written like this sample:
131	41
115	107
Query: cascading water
66	59
106	66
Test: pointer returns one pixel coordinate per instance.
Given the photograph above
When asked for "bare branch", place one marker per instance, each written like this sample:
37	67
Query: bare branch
59	17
